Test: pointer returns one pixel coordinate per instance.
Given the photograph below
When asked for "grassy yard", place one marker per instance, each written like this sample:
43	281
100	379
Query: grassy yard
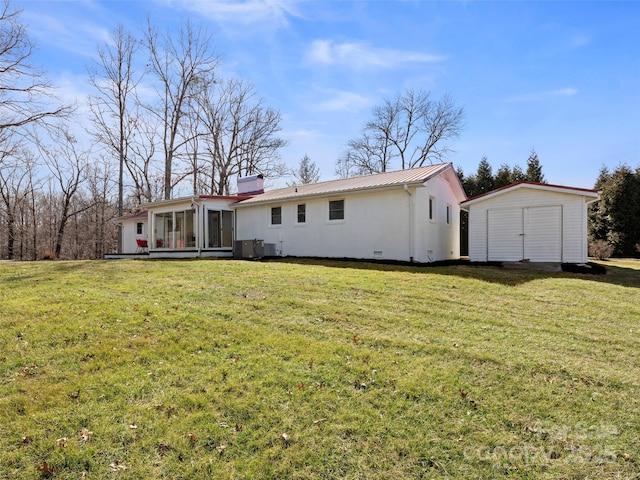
317	370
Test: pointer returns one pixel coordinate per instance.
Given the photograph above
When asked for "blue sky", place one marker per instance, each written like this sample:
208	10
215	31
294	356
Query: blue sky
562	78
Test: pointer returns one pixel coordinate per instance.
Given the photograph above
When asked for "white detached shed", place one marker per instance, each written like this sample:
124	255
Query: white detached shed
529	221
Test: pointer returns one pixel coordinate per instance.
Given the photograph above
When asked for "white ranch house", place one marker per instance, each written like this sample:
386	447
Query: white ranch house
529	222
408	215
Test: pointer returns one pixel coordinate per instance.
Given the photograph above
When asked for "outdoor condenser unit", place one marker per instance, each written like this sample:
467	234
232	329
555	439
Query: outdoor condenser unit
248	249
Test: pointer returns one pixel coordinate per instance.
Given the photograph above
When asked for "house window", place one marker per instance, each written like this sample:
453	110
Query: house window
432	209
302	213
448	214
336	210
139	228
276	216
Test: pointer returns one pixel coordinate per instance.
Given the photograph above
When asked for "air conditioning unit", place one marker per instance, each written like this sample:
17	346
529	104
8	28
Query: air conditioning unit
269	249
248	249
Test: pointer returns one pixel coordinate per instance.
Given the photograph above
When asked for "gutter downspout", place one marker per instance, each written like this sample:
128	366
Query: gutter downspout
411	224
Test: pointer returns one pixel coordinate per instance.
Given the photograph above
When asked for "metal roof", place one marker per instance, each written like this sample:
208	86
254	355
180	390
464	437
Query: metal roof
585	192
379	180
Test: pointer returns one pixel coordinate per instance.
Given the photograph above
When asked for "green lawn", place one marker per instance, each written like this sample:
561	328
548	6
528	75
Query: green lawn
317	370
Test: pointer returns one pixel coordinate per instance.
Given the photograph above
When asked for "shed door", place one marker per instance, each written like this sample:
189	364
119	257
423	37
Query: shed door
543	233
505	234
531	233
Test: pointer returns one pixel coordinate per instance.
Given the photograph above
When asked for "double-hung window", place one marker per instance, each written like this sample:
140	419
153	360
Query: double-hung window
336	210
302	213
276	215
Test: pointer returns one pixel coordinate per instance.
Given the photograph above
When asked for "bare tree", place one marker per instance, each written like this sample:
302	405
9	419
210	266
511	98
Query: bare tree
365	156
98	231
241	134
142	162
113	109
411	128
25	94
181	66
67	161
14	174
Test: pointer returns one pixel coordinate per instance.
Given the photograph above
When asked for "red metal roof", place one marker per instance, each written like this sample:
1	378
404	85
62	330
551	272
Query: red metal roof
140	214
525	183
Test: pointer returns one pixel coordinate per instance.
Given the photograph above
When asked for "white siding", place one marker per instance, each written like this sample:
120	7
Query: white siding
377	225
565	212
129	234
543	233
505	234
436	240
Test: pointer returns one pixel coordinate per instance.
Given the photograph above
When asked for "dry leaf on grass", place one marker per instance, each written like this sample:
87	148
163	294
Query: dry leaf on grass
85	435
117	466
46	469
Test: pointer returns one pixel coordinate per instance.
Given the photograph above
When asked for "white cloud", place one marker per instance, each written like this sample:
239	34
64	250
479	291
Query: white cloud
536	96
360	55
76	36
342	100
271	13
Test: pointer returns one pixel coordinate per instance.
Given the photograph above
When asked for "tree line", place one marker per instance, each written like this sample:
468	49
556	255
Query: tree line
484	180
163	122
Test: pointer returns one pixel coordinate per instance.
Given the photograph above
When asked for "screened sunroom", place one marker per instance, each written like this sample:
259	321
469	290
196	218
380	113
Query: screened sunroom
192	227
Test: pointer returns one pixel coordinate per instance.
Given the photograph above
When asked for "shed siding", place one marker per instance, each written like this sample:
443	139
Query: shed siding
543	233
573	221
505	234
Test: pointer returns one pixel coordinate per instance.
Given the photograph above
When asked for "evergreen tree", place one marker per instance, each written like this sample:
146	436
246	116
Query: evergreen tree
504	176
484	181
466	182
517	175
534	169
307	172
599	223
616	217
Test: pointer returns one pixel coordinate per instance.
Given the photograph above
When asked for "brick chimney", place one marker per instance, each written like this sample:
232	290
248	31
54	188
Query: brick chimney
251	185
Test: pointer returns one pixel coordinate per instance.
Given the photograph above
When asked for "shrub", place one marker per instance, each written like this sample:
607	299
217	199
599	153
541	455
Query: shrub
601	249
48	255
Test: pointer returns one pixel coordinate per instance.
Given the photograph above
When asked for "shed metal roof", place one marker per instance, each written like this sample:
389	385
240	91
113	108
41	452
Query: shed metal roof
380	180
585	192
